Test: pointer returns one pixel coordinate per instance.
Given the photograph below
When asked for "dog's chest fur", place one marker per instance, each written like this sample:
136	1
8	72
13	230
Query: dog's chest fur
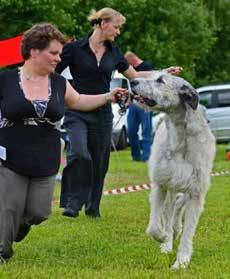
179	151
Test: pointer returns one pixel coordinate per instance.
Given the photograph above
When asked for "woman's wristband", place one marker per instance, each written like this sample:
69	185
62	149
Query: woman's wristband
108	98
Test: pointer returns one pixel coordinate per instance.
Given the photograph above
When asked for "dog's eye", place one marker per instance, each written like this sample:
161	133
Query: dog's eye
160	79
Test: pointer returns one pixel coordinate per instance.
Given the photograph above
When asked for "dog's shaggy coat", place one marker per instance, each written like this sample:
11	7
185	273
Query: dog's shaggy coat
180	163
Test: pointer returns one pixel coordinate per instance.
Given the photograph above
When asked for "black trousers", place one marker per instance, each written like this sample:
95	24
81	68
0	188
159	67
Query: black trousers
88	154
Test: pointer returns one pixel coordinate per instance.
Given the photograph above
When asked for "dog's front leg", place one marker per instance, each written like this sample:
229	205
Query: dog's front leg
193	209
167	245
178	214
155	227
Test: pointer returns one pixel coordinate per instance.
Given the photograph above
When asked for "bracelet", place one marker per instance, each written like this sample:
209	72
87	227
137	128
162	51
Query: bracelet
108	98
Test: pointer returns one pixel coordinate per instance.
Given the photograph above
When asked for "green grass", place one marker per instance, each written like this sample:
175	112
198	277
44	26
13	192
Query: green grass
116	245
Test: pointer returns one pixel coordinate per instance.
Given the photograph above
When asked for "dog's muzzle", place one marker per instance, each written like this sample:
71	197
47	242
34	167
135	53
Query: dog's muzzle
142	100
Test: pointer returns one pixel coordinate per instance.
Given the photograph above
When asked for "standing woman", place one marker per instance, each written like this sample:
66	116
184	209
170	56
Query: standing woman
32	100
92	61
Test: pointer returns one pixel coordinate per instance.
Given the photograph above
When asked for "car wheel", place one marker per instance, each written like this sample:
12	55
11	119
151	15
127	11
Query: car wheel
122	142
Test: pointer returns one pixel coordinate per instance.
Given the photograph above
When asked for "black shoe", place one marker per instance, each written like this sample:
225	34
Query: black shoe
2	260
22	233
92	213
69	212
6	253
137	159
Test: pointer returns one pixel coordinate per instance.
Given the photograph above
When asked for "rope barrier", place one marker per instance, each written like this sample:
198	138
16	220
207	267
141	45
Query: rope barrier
145	186
137	188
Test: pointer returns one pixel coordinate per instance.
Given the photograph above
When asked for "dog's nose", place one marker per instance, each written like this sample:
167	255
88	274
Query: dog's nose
134	83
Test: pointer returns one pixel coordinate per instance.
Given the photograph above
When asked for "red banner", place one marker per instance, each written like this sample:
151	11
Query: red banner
10	51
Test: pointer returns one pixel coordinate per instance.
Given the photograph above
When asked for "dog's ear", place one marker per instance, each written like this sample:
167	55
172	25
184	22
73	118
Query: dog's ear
189	96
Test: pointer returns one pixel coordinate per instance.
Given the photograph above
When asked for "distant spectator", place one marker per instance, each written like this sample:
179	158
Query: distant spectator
140	149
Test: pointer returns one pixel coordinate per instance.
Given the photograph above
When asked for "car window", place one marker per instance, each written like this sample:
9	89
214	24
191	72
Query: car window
115	82
223	98
125	84
206	99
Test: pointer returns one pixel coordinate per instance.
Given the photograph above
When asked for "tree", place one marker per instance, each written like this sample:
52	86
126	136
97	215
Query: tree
16	16
215	65
190	33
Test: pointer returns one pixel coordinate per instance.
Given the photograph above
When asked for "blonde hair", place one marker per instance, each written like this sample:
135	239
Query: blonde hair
106	14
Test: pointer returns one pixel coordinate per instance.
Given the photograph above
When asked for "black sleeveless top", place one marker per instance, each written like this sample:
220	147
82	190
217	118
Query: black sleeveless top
28	129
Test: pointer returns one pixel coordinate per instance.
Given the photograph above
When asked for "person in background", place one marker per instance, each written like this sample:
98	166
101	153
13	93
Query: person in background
91	61
137	116
32	101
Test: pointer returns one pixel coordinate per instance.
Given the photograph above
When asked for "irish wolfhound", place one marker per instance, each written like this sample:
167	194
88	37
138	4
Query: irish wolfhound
180	163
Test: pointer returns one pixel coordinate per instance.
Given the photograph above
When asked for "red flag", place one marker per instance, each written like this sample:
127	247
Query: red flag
10	51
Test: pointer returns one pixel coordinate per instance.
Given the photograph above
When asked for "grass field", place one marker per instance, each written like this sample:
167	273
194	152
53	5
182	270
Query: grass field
116	245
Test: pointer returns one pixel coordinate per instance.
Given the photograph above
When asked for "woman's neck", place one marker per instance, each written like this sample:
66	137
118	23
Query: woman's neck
30	72
97	39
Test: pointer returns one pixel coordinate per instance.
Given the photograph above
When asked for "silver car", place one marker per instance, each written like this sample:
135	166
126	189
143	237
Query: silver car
216	99
119	132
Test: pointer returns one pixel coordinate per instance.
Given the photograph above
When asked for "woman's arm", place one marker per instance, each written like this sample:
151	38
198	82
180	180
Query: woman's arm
131	73
82	102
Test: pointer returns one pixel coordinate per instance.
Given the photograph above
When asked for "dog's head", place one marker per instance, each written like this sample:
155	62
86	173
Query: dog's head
162	91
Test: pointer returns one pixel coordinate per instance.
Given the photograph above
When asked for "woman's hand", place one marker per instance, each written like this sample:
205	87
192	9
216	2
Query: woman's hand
174	70
116	95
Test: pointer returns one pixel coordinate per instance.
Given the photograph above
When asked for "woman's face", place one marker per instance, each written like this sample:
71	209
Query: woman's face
111	29
48	58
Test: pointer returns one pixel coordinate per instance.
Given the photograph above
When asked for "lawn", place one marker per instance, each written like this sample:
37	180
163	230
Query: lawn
116	245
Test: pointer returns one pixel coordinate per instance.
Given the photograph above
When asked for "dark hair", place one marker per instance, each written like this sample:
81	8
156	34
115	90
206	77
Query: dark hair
39	37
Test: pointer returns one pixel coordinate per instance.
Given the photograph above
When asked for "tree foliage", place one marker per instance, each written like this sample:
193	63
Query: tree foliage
16	16
190	33
215	65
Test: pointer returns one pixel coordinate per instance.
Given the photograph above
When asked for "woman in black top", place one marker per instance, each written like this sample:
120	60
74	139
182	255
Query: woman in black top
91	61
32	100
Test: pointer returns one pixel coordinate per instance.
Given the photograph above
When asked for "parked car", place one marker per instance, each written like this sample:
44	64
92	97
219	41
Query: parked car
119	132
216	99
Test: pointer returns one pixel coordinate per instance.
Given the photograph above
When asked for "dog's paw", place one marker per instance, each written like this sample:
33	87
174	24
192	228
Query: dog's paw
156	233
166	247
181	262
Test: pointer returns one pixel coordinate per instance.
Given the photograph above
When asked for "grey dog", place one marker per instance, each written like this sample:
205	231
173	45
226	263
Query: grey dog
180	163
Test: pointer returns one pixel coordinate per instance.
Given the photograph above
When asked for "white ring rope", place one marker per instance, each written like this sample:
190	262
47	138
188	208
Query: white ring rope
137	188
141	187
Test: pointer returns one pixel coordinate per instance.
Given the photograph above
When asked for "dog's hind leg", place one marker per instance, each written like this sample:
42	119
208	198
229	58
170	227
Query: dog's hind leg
155	227
193	209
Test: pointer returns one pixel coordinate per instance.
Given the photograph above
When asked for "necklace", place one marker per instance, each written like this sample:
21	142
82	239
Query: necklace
28	77
96	48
